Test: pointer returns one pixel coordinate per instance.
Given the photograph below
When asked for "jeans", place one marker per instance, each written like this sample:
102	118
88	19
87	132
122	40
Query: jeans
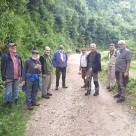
11	90
31	92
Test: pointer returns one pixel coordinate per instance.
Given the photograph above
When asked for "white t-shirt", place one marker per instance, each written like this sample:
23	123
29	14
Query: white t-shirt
83	60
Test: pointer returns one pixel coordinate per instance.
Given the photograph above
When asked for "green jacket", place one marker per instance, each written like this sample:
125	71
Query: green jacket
46	62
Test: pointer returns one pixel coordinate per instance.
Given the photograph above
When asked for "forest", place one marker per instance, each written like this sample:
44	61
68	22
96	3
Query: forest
34	24
37	23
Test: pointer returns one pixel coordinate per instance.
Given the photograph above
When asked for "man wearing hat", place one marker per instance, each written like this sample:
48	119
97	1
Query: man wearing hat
11	71
122	70
31	79
47	68
60	62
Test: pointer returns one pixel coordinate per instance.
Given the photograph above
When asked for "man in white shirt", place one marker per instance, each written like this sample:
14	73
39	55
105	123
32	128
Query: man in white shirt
83	65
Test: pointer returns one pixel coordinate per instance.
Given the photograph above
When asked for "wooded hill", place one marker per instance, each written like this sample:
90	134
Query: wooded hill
36	23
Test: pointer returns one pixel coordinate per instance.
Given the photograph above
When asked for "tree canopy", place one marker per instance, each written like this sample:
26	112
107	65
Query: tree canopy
75	23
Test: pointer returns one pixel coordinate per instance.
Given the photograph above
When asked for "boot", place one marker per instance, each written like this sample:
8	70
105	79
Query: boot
96	94
88	92
49	94
116	96
121	99
36	104
46	96
30	107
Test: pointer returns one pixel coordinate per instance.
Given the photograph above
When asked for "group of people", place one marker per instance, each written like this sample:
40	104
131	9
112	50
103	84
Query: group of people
117	69
13	73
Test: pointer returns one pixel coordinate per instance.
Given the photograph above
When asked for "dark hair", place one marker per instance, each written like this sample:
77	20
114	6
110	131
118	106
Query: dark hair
111	44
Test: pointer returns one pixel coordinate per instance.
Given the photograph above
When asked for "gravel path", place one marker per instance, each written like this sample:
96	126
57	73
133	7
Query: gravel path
70	113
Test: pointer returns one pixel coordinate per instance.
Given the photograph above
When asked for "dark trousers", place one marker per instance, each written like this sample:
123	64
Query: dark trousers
92	75
58	73
121	82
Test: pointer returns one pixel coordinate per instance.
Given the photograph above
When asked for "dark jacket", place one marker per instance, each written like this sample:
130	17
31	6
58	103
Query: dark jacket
57	62
96	62
29	67
46	62
7	67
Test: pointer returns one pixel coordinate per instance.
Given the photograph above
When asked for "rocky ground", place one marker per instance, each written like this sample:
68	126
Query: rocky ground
70	113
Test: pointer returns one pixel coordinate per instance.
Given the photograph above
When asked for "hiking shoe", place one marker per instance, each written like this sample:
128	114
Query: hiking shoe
121	99
116	96
87	93
46	97
83	86
110	90
56	88
108	87
49	94
16	101
95	94
30	108
64	87
36	104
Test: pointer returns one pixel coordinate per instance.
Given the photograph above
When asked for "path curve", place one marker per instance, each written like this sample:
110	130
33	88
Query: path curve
70	113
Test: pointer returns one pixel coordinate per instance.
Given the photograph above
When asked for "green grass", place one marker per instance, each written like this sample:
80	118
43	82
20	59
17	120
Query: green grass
133	66
13	119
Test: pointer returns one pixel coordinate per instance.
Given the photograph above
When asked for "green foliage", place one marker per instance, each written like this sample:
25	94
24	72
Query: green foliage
34	24
13	119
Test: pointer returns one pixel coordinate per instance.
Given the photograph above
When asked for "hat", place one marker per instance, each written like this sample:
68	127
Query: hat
35	52
11	45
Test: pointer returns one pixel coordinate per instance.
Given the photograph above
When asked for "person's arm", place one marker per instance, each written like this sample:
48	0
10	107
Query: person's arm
54	60
87	59
21	63
3	67
128	60
24	71
42	64
100	62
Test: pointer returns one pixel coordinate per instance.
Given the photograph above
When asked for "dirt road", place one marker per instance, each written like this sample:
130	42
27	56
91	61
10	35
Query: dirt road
70	113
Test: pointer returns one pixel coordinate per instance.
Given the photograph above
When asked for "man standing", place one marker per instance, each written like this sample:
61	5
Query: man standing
122	70
60	62
112	54
83	65
11	71
93	67
47	68
31	79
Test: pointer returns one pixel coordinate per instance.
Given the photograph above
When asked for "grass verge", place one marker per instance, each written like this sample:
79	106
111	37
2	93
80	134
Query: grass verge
13	119
131	89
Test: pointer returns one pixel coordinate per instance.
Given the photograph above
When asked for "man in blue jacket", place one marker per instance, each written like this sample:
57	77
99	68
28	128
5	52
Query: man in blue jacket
31	79
60	62
11	71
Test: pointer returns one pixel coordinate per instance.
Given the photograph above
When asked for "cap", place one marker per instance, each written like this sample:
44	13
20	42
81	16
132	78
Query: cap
35	52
